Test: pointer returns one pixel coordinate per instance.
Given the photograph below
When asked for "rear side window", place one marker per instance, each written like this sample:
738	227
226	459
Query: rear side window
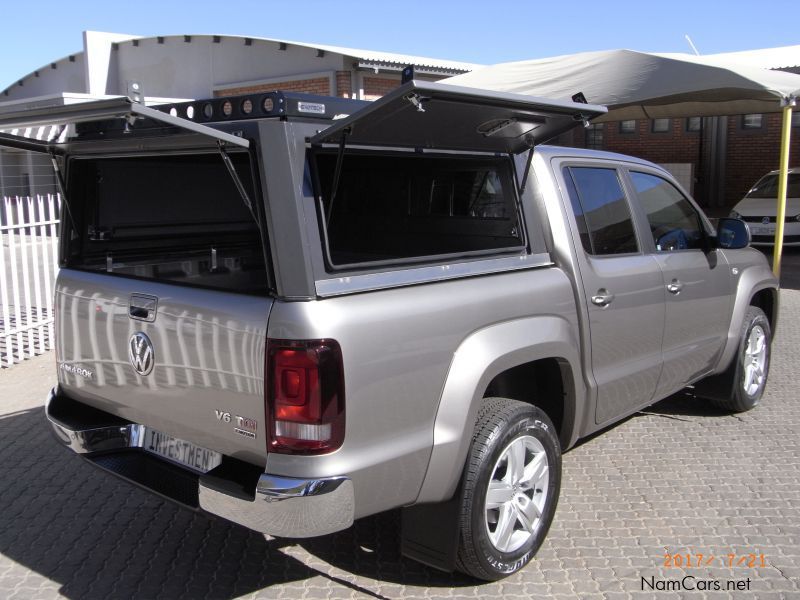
601	210
673	221
390	208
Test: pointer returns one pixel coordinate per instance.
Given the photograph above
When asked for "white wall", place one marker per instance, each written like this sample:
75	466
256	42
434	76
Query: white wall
180	69
66	77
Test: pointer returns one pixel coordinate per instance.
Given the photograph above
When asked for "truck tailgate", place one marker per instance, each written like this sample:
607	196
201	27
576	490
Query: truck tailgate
207	353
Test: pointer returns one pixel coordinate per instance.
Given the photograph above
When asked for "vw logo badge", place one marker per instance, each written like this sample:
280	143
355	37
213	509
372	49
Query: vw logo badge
765	220
141	353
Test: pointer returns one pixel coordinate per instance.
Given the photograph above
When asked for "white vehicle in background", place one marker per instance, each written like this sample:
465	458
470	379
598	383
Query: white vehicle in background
759	209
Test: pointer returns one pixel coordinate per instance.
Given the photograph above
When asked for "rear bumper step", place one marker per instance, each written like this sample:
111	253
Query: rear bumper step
236	491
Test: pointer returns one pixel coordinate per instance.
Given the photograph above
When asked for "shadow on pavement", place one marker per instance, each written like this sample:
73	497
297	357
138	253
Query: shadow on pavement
100	537
685	404
677	406
371	548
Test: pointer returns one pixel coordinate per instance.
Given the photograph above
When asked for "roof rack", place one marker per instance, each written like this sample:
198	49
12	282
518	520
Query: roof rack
263	105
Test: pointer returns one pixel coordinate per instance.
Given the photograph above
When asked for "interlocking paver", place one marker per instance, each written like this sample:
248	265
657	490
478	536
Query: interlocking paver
678	477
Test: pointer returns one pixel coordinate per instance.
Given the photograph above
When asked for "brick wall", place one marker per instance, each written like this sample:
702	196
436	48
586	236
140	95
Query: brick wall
675	146
375	87
317	85
752	153
344	86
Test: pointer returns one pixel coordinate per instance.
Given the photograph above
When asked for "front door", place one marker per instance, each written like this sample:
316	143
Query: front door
624	291
697	280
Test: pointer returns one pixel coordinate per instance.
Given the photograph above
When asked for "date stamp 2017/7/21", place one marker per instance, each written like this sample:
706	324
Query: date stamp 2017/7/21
691	562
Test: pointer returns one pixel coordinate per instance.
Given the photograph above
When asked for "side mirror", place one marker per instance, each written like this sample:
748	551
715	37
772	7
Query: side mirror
732	234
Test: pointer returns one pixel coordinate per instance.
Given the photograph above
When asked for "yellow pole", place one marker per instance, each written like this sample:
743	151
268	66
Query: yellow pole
783	179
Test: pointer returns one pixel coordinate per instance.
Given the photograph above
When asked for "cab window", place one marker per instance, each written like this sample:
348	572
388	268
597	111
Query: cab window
674	223
601	210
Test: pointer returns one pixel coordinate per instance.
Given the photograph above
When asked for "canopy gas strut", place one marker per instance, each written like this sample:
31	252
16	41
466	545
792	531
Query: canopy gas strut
528	162
247	202
337	173
62	188
237	181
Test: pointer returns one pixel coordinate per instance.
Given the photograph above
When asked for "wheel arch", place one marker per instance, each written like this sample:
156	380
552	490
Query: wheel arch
767	300
500	356
757	286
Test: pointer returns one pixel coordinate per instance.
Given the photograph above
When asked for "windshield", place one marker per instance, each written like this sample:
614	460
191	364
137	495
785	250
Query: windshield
767	187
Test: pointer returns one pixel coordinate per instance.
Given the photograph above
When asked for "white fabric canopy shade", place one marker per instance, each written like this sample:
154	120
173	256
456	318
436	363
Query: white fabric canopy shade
639	85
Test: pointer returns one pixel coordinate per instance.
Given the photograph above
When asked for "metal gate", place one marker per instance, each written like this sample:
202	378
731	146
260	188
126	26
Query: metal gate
28	267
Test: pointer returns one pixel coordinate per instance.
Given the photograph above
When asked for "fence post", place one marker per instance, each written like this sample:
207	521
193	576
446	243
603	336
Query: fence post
4	298
47	331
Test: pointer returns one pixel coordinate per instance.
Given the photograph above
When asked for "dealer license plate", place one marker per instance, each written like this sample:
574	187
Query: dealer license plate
180	451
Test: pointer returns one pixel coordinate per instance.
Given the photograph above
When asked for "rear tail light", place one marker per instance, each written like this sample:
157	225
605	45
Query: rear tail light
305	396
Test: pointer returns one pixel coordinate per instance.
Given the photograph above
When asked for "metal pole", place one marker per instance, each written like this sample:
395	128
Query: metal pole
783	179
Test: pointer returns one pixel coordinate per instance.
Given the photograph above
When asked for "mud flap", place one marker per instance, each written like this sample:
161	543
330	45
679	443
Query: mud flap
718	387
429	533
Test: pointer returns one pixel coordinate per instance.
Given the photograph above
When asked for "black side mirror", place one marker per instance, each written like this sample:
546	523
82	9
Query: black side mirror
732	234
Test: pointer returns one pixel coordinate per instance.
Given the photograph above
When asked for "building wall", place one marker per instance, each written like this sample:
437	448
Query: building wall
317	85
674	146
747	154
65	75
192	69
377	86
344	84
752	153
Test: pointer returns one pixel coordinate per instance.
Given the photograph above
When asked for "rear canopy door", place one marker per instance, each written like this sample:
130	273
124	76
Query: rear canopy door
102	110
446	117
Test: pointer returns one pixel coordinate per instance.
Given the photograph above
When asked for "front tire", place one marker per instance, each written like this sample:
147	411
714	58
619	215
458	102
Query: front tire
510	489
741	386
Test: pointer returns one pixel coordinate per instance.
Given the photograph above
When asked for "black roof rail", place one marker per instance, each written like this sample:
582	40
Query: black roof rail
263	105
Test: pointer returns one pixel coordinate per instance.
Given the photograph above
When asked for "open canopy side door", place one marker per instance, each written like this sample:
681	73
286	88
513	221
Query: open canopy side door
100	110
447	117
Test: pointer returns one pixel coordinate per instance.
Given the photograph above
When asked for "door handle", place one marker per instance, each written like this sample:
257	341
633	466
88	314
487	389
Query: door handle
603	297
674	287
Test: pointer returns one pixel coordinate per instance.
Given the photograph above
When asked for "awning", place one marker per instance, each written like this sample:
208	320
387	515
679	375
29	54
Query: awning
440	116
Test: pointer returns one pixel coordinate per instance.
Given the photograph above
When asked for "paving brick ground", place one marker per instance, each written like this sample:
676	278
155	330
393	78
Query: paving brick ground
679	477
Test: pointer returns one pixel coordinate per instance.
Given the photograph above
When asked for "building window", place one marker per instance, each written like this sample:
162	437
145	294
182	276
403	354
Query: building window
594	136
627	126
694	124
752	121
662	125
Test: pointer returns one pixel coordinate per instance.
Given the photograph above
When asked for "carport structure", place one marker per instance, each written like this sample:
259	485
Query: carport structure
640	85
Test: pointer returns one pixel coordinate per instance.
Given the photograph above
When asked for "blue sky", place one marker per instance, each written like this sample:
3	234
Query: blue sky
37	32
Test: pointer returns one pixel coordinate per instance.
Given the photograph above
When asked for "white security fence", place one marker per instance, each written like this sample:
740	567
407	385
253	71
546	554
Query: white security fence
28	266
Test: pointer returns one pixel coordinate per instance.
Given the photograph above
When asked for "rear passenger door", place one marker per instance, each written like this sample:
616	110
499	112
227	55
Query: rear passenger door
696	277
623	288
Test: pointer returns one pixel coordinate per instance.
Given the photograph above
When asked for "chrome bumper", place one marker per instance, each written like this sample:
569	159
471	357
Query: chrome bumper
281	506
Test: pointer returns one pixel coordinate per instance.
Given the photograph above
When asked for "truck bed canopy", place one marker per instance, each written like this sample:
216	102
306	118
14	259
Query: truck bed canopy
100	110
447	117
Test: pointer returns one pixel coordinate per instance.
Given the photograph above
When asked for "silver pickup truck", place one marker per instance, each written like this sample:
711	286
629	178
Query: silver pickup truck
294	311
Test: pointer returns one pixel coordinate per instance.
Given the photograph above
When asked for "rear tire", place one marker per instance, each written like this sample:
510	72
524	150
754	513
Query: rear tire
510	489
744	381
